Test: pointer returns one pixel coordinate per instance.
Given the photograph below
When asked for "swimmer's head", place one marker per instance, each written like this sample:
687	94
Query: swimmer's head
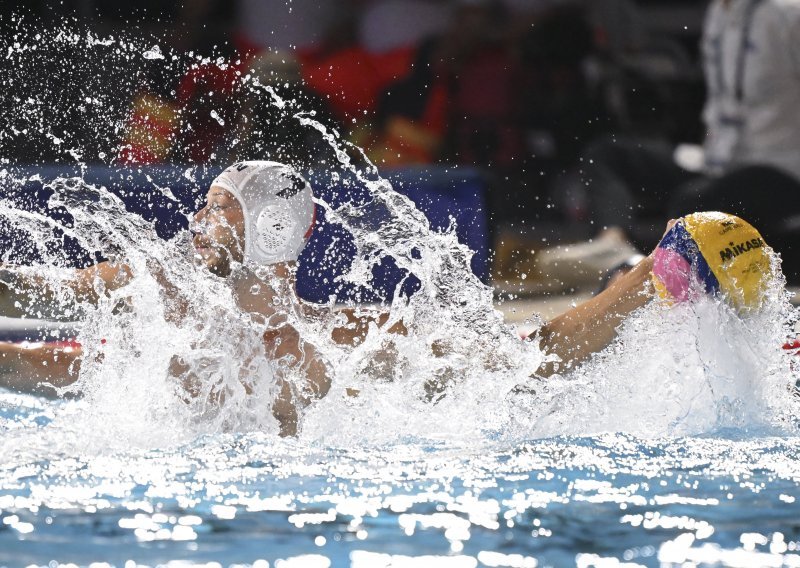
257	213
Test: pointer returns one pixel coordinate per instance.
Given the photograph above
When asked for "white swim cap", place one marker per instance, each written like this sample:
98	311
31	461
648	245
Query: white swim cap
278	210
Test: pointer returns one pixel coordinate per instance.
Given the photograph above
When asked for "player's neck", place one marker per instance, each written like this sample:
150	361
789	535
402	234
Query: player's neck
263	293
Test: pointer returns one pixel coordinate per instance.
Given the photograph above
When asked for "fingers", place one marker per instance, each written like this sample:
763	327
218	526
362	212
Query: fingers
670	224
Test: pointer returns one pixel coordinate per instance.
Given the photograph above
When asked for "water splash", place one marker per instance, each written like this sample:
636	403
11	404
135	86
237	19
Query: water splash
452	377
153	53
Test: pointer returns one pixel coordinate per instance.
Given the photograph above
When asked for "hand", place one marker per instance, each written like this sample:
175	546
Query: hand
670	224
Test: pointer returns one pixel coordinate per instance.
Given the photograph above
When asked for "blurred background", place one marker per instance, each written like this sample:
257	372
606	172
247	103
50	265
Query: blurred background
516	90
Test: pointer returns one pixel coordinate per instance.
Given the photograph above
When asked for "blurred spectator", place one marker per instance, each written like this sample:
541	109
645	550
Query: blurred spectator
350	79
209	98
285	25
459	102
411	118
150	130
619	27
752	61
190	126
392	24
563	107
751	53
183	111
324	37
523	99
477	55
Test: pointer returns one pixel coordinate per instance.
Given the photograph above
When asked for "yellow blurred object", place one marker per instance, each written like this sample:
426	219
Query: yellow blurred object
151	130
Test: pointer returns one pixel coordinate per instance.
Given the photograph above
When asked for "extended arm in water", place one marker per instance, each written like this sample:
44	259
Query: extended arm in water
26	286
588	328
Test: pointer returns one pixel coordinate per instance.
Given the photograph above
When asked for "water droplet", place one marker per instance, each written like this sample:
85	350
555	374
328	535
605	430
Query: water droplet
215	115
153	53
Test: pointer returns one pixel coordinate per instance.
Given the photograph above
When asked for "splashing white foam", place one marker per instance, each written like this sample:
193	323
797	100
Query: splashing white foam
688	369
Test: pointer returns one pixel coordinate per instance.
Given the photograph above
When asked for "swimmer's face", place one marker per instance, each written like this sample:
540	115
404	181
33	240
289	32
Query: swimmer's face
219	232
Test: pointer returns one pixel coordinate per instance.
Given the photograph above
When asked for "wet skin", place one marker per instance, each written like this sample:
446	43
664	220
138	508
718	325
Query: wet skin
219	236
219	232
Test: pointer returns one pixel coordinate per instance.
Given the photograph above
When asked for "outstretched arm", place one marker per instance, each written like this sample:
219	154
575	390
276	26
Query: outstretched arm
38	368
42	367
25	285
591	326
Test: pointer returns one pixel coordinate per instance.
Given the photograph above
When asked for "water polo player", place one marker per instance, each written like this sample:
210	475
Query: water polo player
257	217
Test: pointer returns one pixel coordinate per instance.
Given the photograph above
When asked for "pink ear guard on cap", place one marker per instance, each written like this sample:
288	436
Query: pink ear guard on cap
279	213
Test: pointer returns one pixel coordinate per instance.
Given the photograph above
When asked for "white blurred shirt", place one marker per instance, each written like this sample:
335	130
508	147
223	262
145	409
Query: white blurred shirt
751	52
389	24
285	24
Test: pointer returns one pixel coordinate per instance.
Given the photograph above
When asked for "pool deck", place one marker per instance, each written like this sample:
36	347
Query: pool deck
549	306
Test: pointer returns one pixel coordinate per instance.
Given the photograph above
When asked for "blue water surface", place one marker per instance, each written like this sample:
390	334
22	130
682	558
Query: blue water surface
724	499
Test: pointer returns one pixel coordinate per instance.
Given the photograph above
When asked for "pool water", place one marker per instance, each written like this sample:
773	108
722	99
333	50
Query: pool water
726	498
688	456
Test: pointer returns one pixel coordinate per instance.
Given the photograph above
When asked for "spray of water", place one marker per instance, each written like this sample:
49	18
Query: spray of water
171	355
677	370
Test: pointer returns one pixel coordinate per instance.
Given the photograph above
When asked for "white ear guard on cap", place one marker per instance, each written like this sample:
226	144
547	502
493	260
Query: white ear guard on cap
278	209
